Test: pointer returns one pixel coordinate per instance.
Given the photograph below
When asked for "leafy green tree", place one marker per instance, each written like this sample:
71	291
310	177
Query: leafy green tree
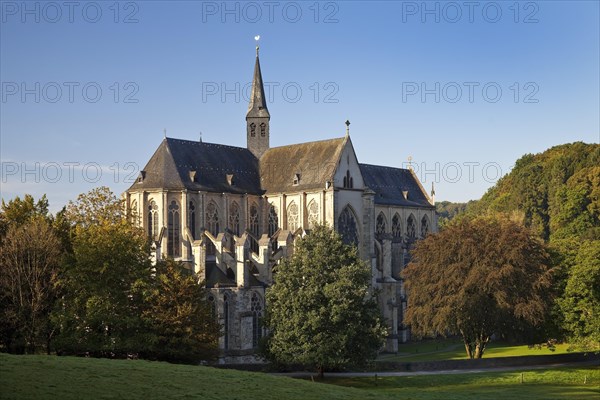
30	256
101	310
320	311
19	211
580	303
180	316
477	278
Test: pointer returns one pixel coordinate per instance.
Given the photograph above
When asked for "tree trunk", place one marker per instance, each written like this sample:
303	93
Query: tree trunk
468	349
321	372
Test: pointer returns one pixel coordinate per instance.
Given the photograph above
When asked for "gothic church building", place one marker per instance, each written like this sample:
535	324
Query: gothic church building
233	213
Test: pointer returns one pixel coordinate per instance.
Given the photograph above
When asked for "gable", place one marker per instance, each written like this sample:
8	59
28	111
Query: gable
348	174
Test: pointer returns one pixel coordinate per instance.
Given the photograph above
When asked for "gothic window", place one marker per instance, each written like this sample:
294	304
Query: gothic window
173	230
212	218
152	219
263	129
213	305
348	181
253	227
226	320
292	217
192	218
313	214
396	226
424	226
253	220
347	227
234	218
256	309
411	227
380	226
133	212
253	129
273	220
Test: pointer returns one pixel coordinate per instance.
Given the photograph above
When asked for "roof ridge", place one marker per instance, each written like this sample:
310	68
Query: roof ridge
206	143
306	143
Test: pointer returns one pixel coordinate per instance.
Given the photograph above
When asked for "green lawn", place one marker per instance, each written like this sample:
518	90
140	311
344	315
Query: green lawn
453	349
49	377
566	383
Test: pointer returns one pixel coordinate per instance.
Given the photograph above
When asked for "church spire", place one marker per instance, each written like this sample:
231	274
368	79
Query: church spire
257	117
258	101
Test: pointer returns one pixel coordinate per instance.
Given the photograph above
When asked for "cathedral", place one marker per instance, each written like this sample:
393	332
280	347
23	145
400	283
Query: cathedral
232	214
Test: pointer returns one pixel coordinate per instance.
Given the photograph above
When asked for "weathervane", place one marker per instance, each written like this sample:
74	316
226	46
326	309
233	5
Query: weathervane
409	162
257	38
347	127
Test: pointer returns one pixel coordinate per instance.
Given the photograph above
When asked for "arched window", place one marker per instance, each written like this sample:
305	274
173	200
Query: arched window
152	219
213	306
396	226
253	220
411	227
212	218
292	217
253	129
273	220
174	225
380	226
133	212
226	321
313	214
234	218
263	129
347	226
256	309
424	226
192	218
348	181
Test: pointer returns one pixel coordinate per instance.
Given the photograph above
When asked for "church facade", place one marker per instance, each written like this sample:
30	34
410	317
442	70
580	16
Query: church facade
232	214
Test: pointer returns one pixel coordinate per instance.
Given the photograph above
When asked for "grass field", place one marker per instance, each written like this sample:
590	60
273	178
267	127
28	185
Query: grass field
453	349
50	377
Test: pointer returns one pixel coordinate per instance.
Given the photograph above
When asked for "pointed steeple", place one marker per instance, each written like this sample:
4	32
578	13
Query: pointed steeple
258	101
257	117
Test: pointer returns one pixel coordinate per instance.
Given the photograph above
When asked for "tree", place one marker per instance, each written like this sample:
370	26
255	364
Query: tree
180	316
30	257
20	211
478	278
101	310
320	310
580	303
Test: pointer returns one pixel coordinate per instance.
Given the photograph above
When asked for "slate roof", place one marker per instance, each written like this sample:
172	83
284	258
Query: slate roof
217	278
170	167
389	183
315	162
258	101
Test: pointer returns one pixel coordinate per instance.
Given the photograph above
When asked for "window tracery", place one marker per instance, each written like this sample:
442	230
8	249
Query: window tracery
347	227
174	226
292	215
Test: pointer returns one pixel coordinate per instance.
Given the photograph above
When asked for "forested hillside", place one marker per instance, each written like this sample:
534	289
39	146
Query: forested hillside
556	193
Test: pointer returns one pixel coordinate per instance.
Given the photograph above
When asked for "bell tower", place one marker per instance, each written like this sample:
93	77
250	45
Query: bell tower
257	117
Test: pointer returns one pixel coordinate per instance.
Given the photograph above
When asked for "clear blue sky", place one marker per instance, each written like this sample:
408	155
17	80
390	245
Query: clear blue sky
415	79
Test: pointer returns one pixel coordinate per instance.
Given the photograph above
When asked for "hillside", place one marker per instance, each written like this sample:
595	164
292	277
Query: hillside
51	377
556	193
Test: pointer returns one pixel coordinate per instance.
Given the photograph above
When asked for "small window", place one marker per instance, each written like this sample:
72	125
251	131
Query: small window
253	129
263	129
348	181
296	179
